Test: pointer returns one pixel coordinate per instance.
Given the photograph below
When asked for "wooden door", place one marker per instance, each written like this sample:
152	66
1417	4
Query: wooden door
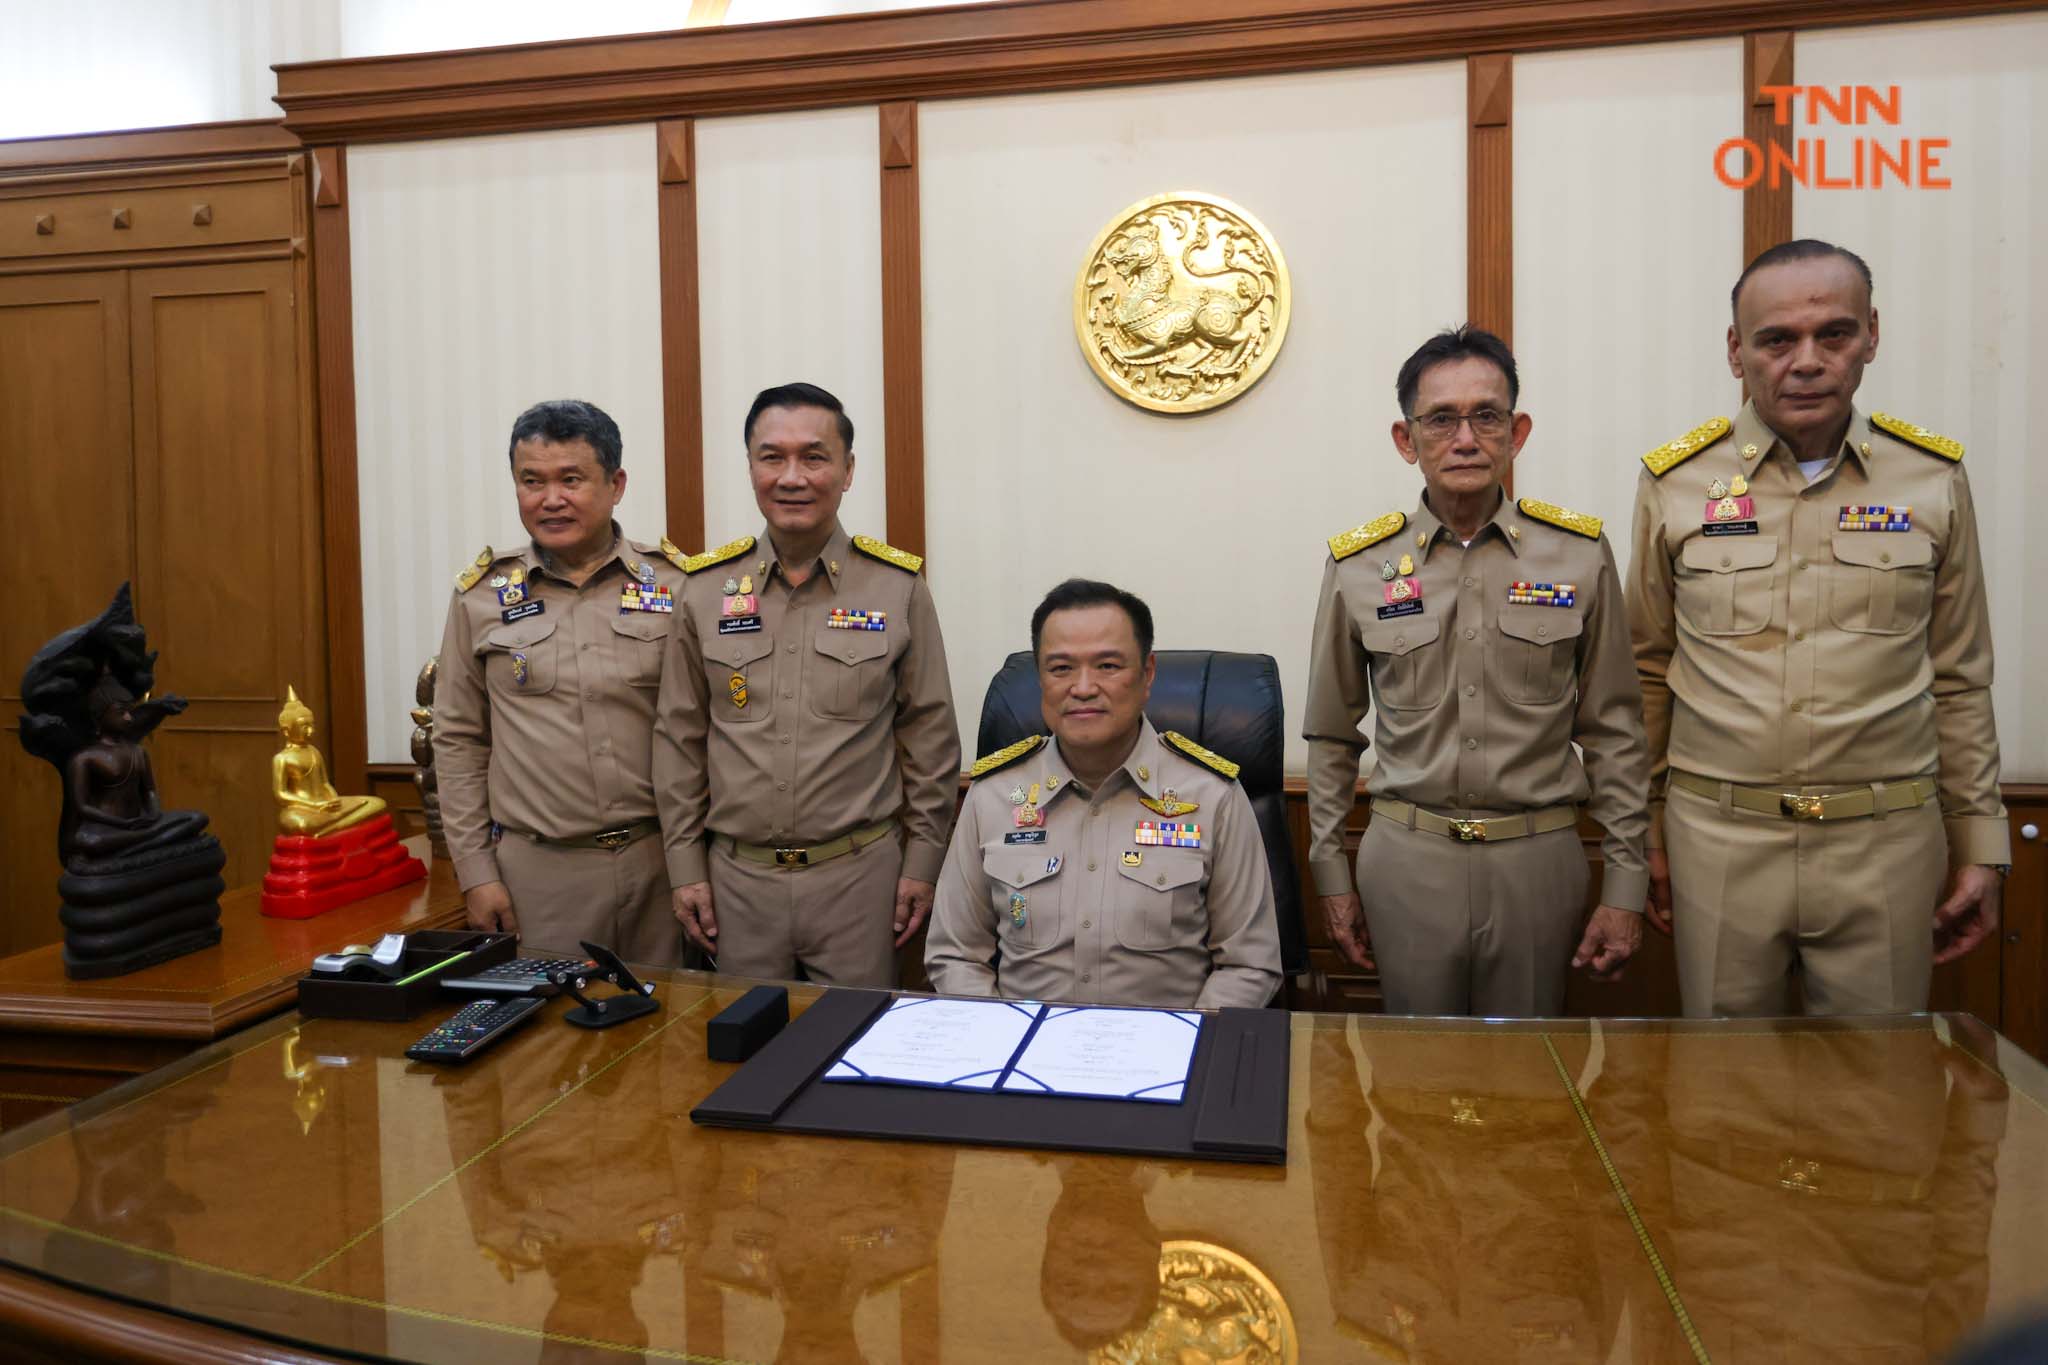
227	545
69	542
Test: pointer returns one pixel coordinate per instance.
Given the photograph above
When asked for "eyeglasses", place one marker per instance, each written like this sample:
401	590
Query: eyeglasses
1487	423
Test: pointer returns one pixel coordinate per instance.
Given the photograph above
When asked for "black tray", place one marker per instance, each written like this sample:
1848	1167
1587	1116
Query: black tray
325	996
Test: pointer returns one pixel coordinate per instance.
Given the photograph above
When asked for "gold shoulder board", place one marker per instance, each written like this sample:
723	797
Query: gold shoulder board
1672	454
698	563
1561	517
1933	442
1003	758
1372	533
473	572
888	554
1208	758
673	553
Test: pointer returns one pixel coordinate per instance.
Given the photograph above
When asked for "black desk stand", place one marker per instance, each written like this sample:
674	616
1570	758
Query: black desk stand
635	999
1235	1107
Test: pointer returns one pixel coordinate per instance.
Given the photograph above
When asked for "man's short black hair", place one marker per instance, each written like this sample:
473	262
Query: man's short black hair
562	420
1802	249
1087	592
1455	344
797	396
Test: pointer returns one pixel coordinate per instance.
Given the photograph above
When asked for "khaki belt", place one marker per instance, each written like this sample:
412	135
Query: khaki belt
1844	805
1478	831
611	839
814	854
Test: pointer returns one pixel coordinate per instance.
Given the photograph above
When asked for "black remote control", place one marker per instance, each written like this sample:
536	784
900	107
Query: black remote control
520	976
473	1028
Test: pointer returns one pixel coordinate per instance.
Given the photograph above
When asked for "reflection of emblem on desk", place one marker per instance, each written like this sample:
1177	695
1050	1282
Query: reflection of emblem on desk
1803	1176
1466	1112
1213	1305
1182	302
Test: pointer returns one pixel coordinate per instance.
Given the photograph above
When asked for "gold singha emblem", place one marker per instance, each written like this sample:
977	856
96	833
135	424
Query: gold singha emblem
1213	1305
1182	302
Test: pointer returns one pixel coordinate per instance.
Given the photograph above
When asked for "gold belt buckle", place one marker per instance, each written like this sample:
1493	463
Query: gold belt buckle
1469	831
1801	807
792	857
613	838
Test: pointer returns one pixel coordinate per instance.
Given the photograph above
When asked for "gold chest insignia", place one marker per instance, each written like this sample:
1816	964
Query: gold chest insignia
1182	302
1169	805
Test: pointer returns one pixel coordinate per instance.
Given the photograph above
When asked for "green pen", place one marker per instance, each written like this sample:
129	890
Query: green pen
429	971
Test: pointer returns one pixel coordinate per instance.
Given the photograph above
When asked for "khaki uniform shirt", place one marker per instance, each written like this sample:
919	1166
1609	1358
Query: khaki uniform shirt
1477	700
1083	912
791	732
545	722
1797	653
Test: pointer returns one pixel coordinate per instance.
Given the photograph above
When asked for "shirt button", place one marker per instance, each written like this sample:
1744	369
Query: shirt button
1542	631
1471	743
1884	559
849	656
1400	641
1161	879
1471	634
791	648
785	739
1799	635
1798	706
1471	798
1471	582
1726	561
789	691
1087	924
1086	977
1091	864
590	694
782	786
1471	689
1798	561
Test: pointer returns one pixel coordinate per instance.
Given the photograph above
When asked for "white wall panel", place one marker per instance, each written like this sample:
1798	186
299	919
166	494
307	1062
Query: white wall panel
1035	471
1625	248
789	260
1962	295
489	273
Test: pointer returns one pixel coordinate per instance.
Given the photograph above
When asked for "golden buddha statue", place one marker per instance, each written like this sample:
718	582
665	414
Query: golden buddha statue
311	807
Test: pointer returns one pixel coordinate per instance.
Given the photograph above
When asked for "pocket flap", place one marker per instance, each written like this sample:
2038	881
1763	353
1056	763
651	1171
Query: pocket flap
1884	549
1018	867
852	646
641	625
517	634
1400	636
1726	554
737	651
1541	625
1165	868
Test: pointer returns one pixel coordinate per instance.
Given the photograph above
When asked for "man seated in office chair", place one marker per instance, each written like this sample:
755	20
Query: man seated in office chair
1111	864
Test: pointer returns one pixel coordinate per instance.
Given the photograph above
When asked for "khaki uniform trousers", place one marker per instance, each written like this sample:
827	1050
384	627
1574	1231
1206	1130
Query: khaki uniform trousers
836	918
1849	903
1480	928
618	898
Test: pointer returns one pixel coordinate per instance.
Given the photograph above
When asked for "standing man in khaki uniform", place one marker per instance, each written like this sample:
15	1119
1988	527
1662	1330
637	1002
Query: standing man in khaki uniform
807	758
1487	638
1115	865
1815	651
544	717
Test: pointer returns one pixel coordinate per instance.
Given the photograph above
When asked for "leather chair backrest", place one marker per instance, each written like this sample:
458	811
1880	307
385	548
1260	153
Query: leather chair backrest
1222	701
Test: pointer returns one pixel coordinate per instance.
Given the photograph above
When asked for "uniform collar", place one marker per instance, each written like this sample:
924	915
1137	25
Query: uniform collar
536	559
1753	434
1142	766
1428	527
833	558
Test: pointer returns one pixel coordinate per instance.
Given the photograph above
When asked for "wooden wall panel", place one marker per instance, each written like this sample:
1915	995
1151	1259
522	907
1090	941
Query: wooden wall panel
333	381
682	379
902	326
64	440
1766	209
225	565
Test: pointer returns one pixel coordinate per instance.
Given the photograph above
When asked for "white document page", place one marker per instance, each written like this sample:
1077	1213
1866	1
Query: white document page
928	1041
1125	1054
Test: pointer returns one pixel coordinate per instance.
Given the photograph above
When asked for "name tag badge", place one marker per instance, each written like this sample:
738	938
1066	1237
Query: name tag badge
1410	608
1728	528
523	610
1025	836
735	625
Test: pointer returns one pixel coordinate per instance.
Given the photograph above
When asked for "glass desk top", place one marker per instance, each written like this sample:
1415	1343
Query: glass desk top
1572	1190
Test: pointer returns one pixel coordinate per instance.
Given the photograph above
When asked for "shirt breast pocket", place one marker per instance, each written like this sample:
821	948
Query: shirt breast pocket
1727	584
1882	582
741	672
519	658
1537	650
1159	902
642	637
1024	887
850	673
1407	663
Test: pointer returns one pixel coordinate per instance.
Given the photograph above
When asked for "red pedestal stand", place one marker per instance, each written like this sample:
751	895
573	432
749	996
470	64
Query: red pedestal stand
310	876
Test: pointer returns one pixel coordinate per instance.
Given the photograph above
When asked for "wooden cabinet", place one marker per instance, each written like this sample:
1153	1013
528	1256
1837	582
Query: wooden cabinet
155	425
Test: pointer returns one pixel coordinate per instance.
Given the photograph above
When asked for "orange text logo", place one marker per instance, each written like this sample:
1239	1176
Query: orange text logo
1865	161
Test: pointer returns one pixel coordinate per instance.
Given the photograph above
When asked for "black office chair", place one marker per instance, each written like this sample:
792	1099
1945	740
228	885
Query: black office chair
1226	702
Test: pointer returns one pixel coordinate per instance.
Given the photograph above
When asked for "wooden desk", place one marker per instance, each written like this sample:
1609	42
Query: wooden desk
1454	1192
62	1040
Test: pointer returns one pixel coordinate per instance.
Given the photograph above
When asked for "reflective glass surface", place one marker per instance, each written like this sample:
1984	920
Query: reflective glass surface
1454	1191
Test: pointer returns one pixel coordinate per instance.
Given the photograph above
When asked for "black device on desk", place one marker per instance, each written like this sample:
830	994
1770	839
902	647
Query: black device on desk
520	976
636	998
473	1028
